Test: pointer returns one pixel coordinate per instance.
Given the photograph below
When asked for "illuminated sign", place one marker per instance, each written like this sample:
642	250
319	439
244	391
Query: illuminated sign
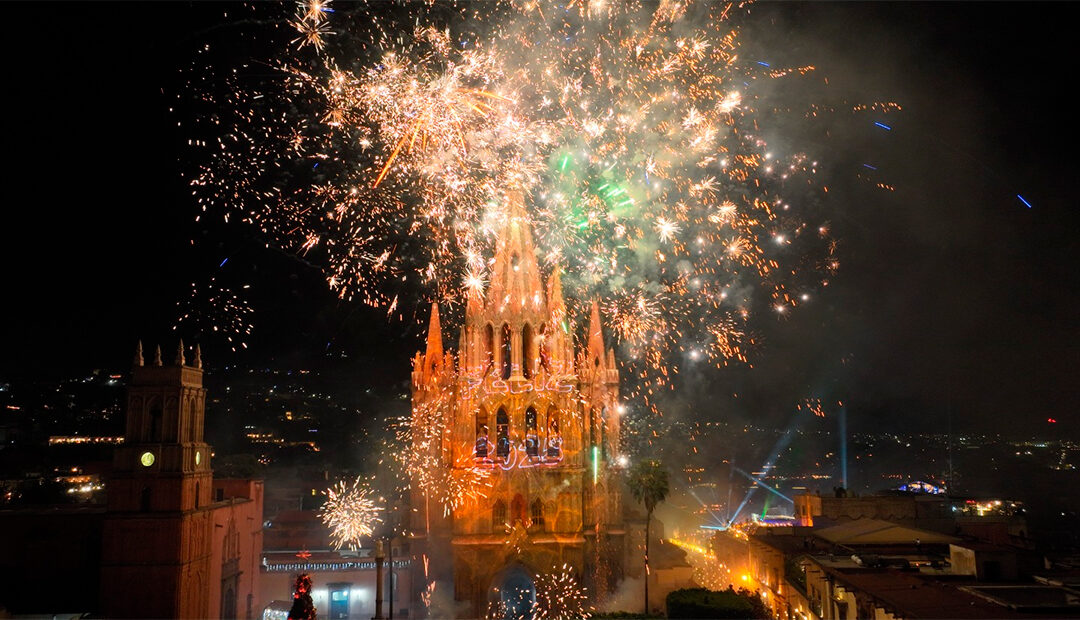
312	567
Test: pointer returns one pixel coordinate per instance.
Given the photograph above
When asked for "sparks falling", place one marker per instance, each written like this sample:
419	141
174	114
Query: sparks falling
559	596
380	142
350	513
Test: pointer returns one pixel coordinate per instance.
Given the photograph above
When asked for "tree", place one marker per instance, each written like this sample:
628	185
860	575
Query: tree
702	603
303	608
649	485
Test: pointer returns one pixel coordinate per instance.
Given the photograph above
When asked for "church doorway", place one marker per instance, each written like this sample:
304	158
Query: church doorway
516	592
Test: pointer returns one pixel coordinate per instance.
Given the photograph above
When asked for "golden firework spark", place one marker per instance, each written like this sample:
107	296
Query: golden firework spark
350	513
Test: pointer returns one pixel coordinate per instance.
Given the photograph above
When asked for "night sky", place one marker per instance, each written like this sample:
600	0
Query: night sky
952	295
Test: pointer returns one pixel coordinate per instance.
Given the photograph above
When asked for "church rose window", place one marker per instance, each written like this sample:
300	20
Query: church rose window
502	429
532	441
507	360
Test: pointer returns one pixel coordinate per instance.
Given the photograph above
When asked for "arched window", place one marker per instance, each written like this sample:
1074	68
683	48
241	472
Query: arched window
481	433
592	427
502	430
498	515
489	347
537	512
532	440
155	421
542	341
526	351
196	494
554	437
603	434
507	360
144	499
517	509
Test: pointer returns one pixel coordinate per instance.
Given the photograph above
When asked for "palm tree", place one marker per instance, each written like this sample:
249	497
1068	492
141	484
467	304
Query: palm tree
649	485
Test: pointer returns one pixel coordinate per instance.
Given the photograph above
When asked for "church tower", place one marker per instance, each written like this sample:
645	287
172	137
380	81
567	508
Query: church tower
156	541
528	420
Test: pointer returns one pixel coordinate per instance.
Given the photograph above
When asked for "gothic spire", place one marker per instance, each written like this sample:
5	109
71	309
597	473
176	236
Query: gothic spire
596	336
556	305
180	353
434	336
515	277
157	355
138	353
198	356
474	302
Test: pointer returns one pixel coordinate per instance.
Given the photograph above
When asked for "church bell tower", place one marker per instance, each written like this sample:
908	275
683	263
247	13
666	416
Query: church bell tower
157	525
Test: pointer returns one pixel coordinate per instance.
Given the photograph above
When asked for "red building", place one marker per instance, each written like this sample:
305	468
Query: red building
191	545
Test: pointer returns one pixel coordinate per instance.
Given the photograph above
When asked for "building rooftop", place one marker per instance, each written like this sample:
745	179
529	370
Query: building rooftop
1030	597
877	532
910	595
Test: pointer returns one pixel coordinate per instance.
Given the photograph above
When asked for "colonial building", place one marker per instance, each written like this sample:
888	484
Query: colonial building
519	401
174	543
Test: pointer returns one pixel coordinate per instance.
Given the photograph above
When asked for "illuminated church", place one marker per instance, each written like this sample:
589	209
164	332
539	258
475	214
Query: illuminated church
519	400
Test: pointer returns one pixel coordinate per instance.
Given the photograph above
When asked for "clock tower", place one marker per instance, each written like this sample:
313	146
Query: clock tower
156	546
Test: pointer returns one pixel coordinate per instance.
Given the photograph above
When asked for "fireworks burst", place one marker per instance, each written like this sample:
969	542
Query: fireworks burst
559	596
350	513
213	311
639	130
419	441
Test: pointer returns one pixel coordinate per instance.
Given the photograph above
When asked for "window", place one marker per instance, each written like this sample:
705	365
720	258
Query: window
155	422
481	433
219	494
517	509
532	441
592	427
603	434
545	357
526	351
196	494
489	347
144	499
554	438
498	515
502	429
537	512
507	360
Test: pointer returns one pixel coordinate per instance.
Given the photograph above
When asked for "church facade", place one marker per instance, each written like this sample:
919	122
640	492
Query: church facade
527	437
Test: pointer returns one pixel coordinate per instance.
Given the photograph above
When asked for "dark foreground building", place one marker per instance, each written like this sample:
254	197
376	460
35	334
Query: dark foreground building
171	542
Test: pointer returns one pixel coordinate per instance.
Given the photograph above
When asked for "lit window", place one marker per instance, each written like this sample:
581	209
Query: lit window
537	512
502	430
481	433
507	360
554	438
532	441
